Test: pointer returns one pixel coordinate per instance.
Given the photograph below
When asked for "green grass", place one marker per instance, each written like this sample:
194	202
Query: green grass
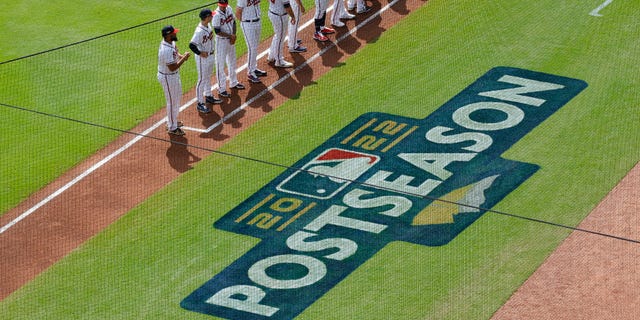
147	262
108	81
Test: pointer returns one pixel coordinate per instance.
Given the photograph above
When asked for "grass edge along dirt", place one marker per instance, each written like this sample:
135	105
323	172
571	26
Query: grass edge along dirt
169	249
107	78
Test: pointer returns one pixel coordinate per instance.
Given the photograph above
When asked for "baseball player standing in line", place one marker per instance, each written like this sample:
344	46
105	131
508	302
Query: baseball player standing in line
224	25
294	44
340	12
320	19
202	46
278	9
360	5
169	62
248	13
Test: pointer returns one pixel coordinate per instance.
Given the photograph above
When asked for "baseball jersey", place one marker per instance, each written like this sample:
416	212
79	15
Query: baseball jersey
277	7
250	9
223	19
167	54
202	38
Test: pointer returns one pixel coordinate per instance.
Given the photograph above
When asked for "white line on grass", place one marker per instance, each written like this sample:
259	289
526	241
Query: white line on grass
292	72
596	11
186	105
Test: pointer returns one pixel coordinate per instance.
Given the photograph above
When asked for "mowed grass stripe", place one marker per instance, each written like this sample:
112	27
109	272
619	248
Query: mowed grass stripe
147	262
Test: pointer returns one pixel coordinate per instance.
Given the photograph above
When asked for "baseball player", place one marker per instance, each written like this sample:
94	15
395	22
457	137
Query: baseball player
320	18
169	62
224	25
248	13
360	5
340	12
294	43
202	46
278	9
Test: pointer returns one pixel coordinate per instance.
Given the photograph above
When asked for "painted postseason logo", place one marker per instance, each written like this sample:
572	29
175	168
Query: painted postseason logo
383	178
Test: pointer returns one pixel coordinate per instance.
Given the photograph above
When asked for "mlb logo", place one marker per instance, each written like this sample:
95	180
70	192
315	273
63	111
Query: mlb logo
329	173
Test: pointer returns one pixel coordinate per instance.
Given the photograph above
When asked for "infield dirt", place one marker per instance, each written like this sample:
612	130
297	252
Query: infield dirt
588	276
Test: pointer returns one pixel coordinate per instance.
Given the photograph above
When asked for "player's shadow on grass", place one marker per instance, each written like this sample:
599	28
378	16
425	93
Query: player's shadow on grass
332	55
179	156
400	7
215	134
289	87
229	106
303	76
349	44
264	101
372	30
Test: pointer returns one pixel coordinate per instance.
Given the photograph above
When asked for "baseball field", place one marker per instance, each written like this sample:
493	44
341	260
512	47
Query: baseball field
424	164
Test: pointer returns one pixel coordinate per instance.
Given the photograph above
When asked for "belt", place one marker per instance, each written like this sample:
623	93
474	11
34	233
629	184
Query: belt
167	74
277	14
256	20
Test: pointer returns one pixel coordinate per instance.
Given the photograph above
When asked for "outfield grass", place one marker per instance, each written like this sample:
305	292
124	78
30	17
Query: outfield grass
147	262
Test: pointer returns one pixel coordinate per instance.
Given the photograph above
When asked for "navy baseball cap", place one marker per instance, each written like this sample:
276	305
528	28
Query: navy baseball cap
205	13
169	30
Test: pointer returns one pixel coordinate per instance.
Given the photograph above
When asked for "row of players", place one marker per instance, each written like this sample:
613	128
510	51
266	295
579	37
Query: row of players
221	23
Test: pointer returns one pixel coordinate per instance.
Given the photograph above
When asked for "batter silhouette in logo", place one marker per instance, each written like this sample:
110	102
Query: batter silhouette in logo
383	178
328	174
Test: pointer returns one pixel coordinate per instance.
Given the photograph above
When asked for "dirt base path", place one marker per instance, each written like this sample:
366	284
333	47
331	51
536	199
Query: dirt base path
60	217
589	276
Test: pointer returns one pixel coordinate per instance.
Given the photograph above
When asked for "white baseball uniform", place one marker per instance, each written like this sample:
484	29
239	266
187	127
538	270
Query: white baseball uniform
170	81
293	27
223	19
203	39
339	12
321	12
280	21
359	5
251	28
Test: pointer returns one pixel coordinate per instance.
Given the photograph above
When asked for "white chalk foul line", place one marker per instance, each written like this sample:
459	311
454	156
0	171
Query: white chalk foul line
244	105
292	72
596	12
260	94
186	105
80	177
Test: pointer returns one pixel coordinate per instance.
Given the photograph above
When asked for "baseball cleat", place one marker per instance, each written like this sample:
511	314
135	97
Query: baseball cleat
176	132
212	100
224	94
202	109
339	24
284	64
180	124
238	86
298	49
348	16
271	60
364	10
260	73
253	79
318	36
326	30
